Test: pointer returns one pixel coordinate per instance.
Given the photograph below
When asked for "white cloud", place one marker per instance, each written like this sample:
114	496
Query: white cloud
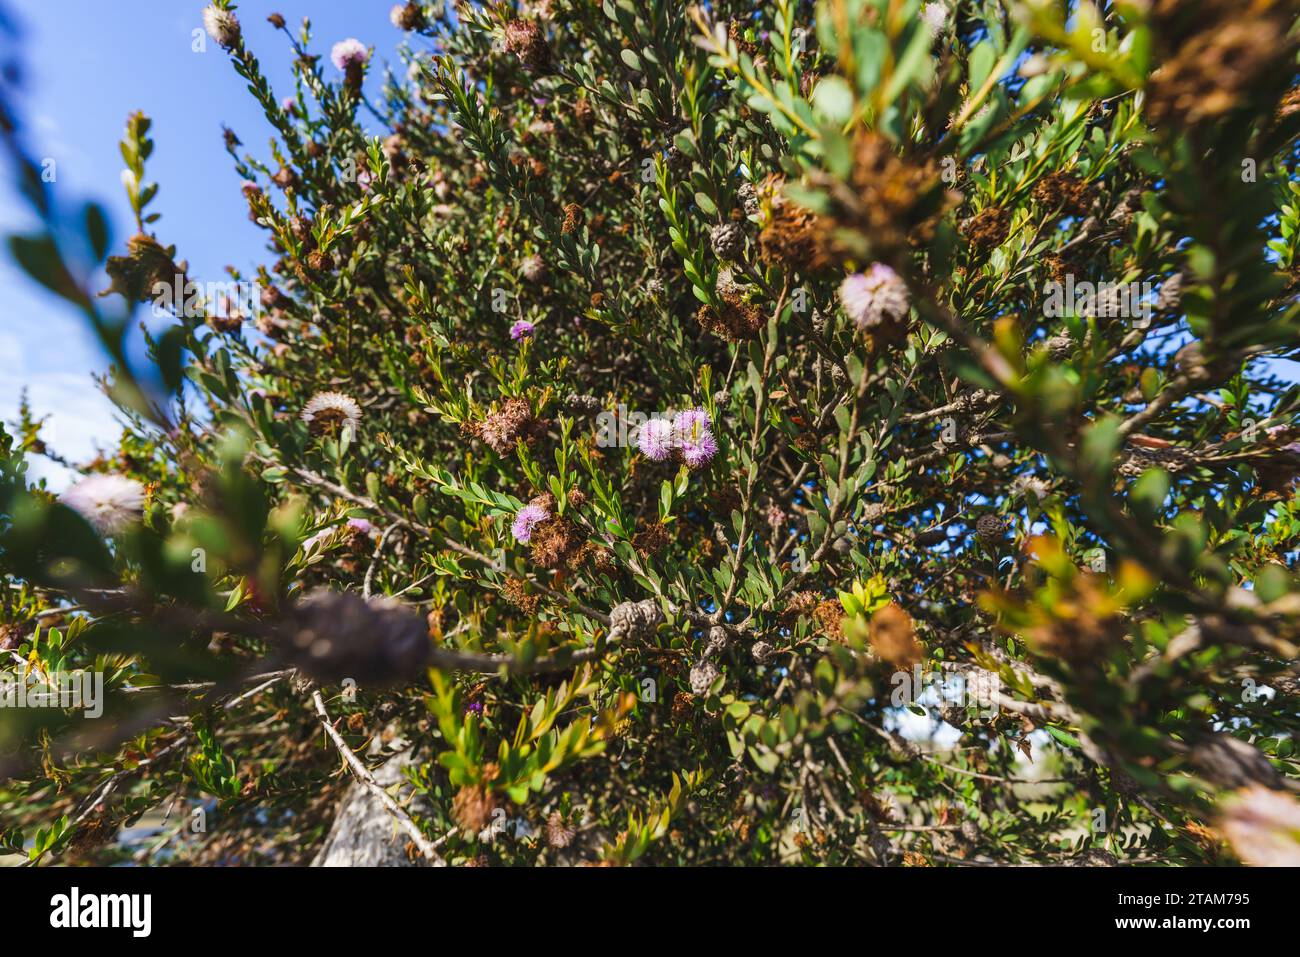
80	418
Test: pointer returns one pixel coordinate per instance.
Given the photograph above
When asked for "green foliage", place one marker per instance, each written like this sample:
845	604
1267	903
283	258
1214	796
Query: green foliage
840	230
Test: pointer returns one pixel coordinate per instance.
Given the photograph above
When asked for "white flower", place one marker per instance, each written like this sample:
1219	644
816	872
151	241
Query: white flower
1027	486
316	545
222	26
349	53
1263	827
935	16
111	503
326	411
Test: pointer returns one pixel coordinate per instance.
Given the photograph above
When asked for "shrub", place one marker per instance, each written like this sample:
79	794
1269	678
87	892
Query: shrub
645	416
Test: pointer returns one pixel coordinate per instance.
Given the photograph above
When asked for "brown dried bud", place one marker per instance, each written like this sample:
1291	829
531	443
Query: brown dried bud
408	17
635	620
893	637
573	218
472	808
524	38
990	527
1064	191
988	228
558	834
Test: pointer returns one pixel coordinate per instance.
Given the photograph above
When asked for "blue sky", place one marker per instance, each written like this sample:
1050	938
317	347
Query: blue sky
89	63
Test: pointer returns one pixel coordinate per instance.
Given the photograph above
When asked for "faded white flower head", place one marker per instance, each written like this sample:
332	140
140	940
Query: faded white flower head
315	546
1030	487
332	411
407	16
222	26
1263	827
935	16
349	53
111	503
874	296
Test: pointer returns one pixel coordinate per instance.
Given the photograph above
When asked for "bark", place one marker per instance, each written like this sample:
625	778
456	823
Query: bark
364	834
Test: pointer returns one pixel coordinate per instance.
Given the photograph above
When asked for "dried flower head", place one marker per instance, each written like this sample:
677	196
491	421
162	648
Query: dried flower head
502	429
556	542
525	39
472	808
559	834
790	236
1065	192
111	503
1230	55
573	218
893	637
988	228
407	16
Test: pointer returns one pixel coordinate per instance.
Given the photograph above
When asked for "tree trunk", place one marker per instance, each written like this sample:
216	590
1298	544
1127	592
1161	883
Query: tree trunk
364	834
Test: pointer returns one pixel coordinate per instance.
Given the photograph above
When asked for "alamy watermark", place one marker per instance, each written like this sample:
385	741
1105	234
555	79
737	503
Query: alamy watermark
1102	300
66	690
191	299
978	689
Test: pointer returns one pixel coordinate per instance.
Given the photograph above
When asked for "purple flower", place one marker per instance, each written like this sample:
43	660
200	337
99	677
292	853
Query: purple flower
349	53
655	439
523	329
700	452
691	424
288	103
525	520
361	525
692	434
872	297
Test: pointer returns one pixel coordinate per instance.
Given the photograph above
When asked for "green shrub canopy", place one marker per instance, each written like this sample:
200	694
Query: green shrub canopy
807	433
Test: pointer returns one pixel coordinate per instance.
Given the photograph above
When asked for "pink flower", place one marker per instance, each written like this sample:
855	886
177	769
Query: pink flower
526	519
655	439
693	437
699	453
349	54
872	297
523	329
361	525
